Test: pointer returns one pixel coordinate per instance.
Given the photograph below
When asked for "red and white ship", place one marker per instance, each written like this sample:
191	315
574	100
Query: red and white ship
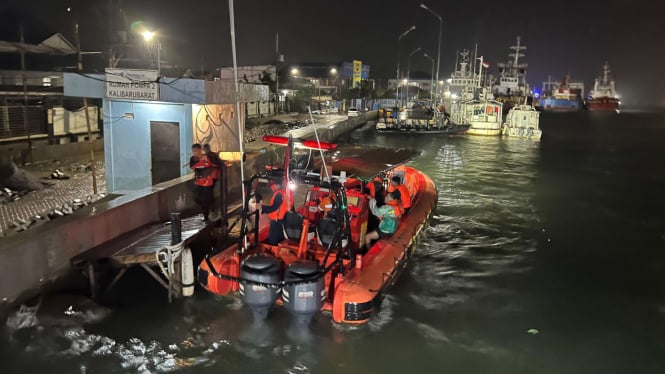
603	97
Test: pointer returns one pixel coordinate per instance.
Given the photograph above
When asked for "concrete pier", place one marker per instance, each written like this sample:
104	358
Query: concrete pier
31	261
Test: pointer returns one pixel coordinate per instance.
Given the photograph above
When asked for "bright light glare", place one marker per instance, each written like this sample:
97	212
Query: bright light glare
294	71
333	71
292	185
449	81
148	35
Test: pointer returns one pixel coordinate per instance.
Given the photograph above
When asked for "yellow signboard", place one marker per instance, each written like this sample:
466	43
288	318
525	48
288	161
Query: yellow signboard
357	72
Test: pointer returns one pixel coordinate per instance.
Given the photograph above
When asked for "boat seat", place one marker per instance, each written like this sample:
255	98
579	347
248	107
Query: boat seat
293	226
326	230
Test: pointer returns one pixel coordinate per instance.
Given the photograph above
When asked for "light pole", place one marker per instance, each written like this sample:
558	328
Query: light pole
148	37
413	27
431	85
438	54
408	71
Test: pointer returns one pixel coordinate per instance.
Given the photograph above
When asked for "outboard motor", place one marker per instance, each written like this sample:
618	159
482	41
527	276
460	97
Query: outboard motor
261	268
303	300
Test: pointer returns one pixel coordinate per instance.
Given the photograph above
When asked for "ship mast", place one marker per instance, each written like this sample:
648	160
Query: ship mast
518	52
606	73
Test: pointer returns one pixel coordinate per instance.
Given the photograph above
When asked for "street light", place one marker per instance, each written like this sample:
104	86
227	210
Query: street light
402	35
148	37
438	54
408	70
431	84
294	72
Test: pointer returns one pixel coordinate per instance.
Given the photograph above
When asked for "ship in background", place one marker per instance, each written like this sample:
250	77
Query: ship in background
477	107
564	96
603	97
511	87
461	84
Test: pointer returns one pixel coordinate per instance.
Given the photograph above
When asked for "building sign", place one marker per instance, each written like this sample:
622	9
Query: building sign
132	84
357	73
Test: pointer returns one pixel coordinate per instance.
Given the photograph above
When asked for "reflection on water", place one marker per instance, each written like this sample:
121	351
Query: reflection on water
563	236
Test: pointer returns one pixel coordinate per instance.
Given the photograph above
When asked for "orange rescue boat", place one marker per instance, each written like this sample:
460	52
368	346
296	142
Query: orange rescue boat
321	264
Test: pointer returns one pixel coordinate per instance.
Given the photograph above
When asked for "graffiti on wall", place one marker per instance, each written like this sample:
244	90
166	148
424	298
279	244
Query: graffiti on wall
216	125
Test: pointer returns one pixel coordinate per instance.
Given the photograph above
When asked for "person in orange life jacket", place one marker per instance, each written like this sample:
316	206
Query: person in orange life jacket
405	197
326	204
203	180
214	158
276	211
373	186
388	219
396	203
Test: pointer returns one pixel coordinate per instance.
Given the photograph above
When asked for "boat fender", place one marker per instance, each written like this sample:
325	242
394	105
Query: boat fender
187	267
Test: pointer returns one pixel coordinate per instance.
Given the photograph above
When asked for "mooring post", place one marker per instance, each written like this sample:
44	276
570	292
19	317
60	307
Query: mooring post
176	228
176	237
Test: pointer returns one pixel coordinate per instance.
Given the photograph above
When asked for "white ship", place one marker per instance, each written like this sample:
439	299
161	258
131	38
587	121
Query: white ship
511	85
481	112
461	83
523	121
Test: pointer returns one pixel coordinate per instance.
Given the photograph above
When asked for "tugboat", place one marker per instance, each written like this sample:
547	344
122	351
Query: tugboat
481	112
603	97
320	265
418	118
563	96
511	85
522	121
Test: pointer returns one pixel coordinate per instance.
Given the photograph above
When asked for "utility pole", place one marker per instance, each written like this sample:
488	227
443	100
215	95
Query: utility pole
25	95
87	115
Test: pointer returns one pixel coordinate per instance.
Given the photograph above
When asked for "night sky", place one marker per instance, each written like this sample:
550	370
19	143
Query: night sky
561	35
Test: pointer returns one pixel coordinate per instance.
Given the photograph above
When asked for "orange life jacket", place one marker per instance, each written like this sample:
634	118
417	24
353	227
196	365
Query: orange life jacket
397	206
283	208
405	197
203	172
326	204
374	186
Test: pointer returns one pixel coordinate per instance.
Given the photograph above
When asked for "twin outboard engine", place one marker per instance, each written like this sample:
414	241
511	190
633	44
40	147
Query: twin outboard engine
265	269
303	299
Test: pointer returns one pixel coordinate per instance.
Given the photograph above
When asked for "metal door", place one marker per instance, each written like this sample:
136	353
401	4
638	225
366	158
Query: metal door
165	151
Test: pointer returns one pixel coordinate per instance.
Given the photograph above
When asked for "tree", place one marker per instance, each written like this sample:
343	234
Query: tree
302	98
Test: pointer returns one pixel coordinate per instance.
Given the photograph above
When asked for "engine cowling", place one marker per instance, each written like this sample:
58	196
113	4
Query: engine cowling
265	269
304	298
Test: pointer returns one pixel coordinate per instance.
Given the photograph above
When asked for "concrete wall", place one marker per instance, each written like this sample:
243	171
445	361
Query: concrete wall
127	141
34	259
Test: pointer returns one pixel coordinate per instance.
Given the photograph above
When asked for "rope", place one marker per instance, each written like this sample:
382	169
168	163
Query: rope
170	254
318	141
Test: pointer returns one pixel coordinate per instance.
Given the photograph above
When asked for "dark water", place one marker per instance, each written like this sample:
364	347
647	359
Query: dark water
542	258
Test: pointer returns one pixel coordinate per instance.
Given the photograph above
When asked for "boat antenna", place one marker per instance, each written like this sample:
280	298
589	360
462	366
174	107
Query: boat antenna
318	142
241	137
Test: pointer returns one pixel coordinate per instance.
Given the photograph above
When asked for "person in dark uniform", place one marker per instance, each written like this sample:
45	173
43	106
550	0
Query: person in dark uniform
203	179
276	211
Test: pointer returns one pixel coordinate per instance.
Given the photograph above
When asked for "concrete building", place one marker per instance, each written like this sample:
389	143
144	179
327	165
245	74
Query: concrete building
148	141
247	74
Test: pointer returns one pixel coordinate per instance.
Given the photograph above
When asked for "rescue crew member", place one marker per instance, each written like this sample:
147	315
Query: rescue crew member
327	203
396	203
276	211
203	180
375	189
214	158
405	197
387	218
